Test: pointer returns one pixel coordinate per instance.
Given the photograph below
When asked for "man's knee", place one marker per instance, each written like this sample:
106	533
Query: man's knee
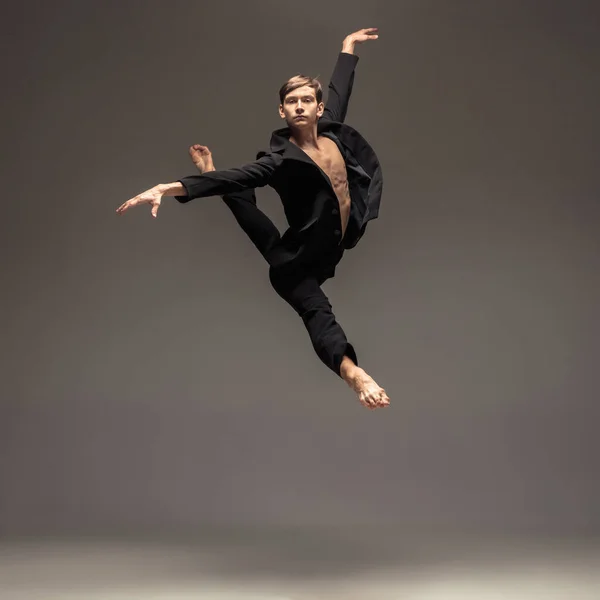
303	293
278	283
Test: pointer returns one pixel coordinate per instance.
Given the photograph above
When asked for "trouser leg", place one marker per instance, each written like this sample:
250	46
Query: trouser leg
305	296
257	226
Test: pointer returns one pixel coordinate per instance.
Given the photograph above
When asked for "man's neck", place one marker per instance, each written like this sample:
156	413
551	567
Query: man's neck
305	138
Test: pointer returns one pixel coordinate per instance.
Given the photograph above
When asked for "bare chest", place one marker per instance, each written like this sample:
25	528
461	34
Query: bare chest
332	162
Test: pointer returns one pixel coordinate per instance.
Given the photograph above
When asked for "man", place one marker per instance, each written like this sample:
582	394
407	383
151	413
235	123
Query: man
329	180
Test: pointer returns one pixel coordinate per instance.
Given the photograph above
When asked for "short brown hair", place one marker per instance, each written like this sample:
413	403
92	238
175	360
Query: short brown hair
299	81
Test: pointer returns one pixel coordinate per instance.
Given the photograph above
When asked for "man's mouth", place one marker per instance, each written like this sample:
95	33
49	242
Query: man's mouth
300	117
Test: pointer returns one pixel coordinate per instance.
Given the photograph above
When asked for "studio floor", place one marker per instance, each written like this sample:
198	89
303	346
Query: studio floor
298	564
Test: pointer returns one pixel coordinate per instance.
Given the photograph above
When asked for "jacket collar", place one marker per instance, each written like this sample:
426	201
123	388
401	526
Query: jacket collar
280	141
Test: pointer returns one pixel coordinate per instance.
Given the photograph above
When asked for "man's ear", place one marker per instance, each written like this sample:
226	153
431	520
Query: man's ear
281	113
320	109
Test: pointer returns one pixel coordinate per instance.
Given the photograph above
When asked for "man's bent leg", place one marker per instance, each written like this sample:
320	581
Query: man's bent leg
257	226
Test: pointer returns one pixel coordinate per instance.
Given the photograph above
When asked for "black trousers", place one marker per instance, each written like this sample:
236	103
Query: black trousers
301	287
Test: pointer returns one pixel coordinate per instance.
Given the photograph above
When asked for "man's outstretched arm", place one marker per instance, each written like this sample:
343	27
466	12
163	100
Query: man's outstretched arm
213	183
342	78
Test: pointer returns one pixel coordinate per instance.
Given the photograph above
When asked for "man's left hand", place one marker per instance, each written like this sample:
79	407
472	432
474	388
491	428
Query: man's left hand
360	36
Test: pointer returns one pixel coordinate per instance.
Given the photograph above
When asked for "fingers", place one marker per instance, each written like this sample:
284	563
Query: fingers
148	197
125	206
369	33
130	203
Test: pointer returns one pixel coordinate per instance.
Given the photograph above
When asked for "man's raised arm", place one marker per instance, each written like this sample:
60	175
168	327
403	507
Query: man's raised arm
213	183
342	78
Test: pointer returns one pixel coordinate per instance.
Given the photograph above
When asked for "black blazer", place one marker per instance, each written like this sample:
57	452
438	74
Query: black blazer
309	201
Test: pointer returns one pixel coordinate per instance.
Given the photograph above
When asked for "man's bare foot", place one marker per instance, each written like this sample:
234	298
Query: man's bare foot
369	393
202	158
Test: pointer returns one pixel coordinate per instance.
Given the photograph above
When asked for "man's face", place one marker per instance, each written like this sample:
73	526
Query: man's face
300	108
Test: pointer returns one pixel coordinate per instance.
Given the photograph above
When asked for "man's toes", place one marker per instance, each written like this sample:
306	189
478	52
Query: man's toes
365	401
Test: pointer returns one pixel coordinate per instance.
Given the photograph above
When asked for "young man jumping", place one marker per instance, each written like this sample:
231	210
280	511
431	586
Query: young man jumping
329	180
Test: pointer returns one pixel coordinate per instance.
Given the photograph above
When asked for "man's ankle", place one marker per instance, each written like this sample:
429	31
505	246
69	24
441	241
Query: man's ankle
349	372
202	169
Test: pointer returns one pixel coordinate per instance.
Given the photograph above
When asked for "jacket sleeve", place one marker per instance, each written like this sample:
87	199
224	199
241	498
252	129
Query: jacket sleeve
340	87
228	181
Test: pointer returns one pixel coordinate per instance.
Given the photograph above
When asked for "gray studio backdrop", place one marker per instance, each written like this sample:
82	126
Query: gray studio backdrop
151	378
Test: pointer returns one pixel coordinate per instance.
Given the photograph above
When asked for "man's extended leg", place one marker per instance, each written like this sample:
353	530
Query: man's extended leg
305	296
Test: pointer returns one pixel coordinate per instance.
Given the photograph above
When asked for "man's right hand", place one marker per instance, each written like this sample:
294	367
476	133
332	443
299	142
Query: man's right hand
202	158
153	196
